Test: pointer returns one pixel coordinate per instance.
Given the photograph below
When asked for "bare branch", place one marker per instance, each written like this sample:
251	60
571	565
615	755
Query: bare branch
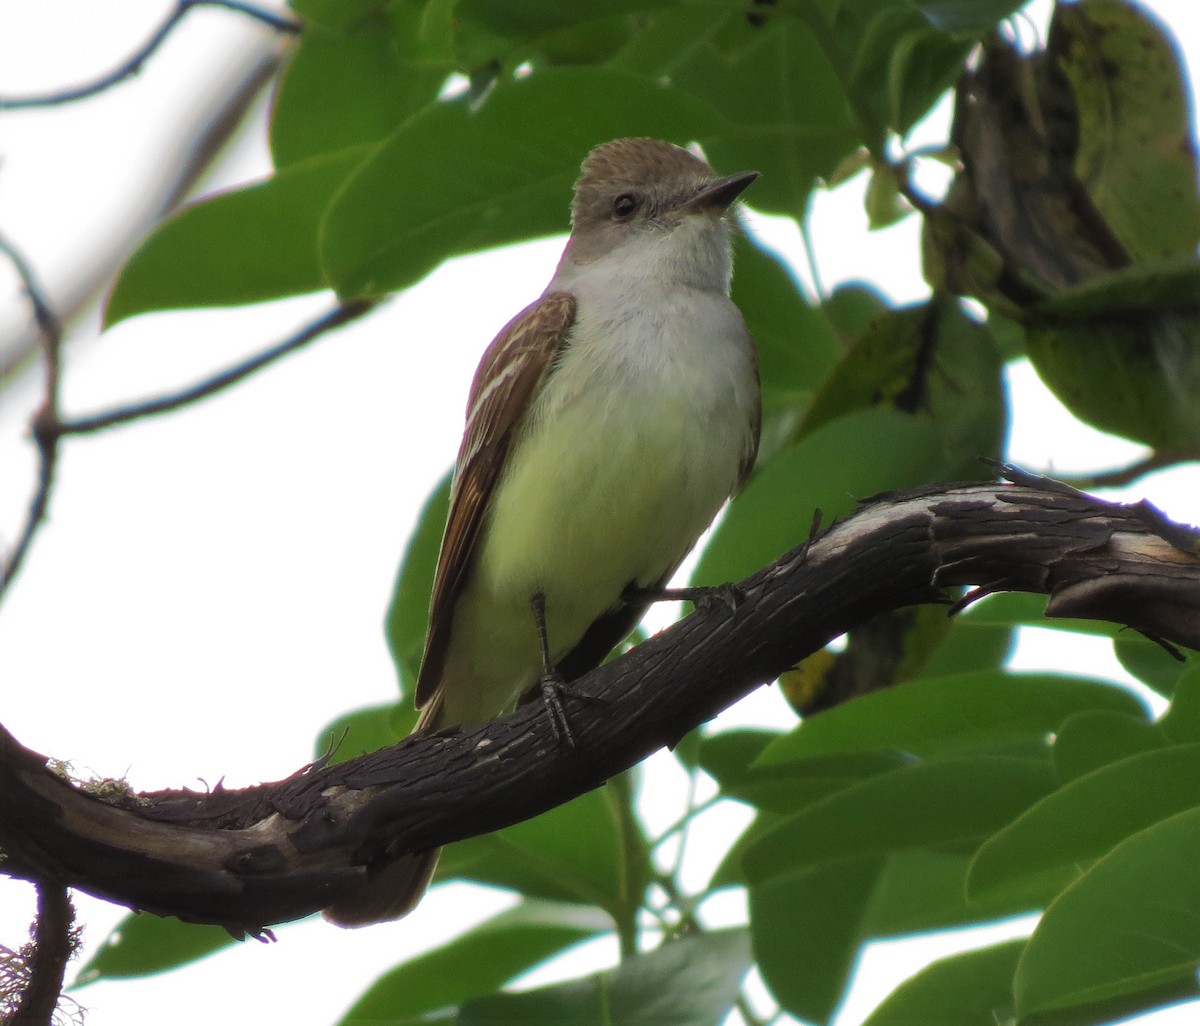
45	420
49	427
339	315
269	854
135	62
45	963
1119	477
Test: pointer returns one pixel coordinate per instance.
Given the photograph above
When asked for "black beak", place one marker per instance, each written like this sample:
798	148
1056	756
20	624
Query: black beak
720	194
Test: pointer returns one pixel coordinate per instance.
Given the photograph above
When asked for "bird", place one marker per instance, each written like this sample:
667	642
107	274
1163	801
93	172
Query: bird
607	424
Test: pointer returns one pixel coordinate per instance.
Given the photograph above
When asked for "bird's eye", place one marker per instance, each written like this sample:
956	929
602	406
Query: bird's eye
625	205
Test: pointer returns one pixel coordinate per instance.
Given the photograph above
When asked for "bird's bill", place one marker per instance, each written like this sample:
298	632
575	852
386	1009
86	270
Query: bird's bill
720	194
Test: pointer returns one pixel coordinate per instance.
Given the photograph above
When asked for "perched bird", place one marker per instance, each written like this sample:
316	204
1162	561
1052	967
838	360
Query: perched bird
607	424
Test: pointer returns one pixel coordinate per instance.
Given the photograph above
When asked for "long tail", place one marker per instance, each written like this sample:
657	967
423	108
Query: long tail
397	888
393	892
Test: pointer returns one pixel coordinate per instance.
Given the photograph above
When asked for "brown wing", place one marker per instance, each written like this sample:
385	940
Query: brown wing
504	385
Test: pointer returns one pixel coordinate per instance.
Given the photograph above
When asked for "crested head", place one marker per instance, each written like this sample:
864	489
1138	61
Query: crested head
630	187
651	171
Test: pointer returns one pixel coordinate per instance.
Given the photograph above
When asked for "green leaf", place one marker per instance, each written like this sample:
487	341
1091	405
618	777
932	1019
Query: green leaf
854	456
571	853
142	944
921	890
883	203
796	344
1128	925
726	756
352	87
1181	723
687	982
338	14
928	360
946	715
788	113
389	227
1083	820
1136	154
807	927
408	611
1089	740
852	308
365	730
1122	351
477	962
244	246
970	989
796	786
1150	662
970	647
950	802
922	66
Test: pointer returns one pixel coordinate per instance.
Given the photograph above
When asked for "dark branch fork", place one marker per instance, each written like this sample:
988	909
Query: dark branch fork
276	852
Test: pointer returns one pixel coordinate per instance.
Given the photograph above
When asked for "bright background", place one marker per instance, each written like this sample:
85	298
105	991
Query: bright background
209	591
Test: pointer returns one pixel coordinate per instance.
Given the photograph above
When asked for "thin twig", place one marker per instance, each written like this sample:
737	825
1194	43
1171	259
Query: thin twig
1119	477
339	315
45	423
135	62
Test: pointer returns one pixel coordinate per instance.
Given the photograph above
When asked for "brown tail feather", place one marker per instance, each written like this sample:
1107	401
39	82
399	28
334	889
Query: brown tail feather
397	888
393	892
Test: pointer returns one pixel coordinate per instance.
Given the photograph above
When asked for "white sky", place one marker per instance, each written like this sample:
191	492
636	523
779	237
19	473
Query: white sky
223	572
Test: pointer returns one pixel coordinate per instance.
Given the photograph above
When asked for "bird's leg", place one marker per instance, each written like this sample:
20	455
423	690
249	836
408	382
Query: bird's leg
728	594
552	683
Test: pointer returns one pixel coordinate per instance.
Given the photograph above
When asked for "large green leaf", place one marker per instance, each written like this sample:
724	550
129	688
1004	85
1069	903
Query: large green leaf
852	457
244	246
142	944
929	360
1152	664
950	802
1136	154
348	87
477	962
1089	816
453	179
728	757
1092	739
339	14
788	114
969	989
1182	720
1122	351
796	343
571	853
922	889
807	927
941	715
687	982
1129	925
484	35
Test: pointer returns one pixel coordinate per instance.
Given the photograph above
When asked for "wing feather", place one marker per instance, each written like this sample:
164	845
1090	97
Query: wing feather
504	385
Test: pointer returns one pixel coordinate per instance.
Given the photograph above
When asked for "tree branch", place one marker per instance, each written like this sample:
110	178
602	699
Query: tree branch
48	426
277	852
344	313
45	421
53	945
134	63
